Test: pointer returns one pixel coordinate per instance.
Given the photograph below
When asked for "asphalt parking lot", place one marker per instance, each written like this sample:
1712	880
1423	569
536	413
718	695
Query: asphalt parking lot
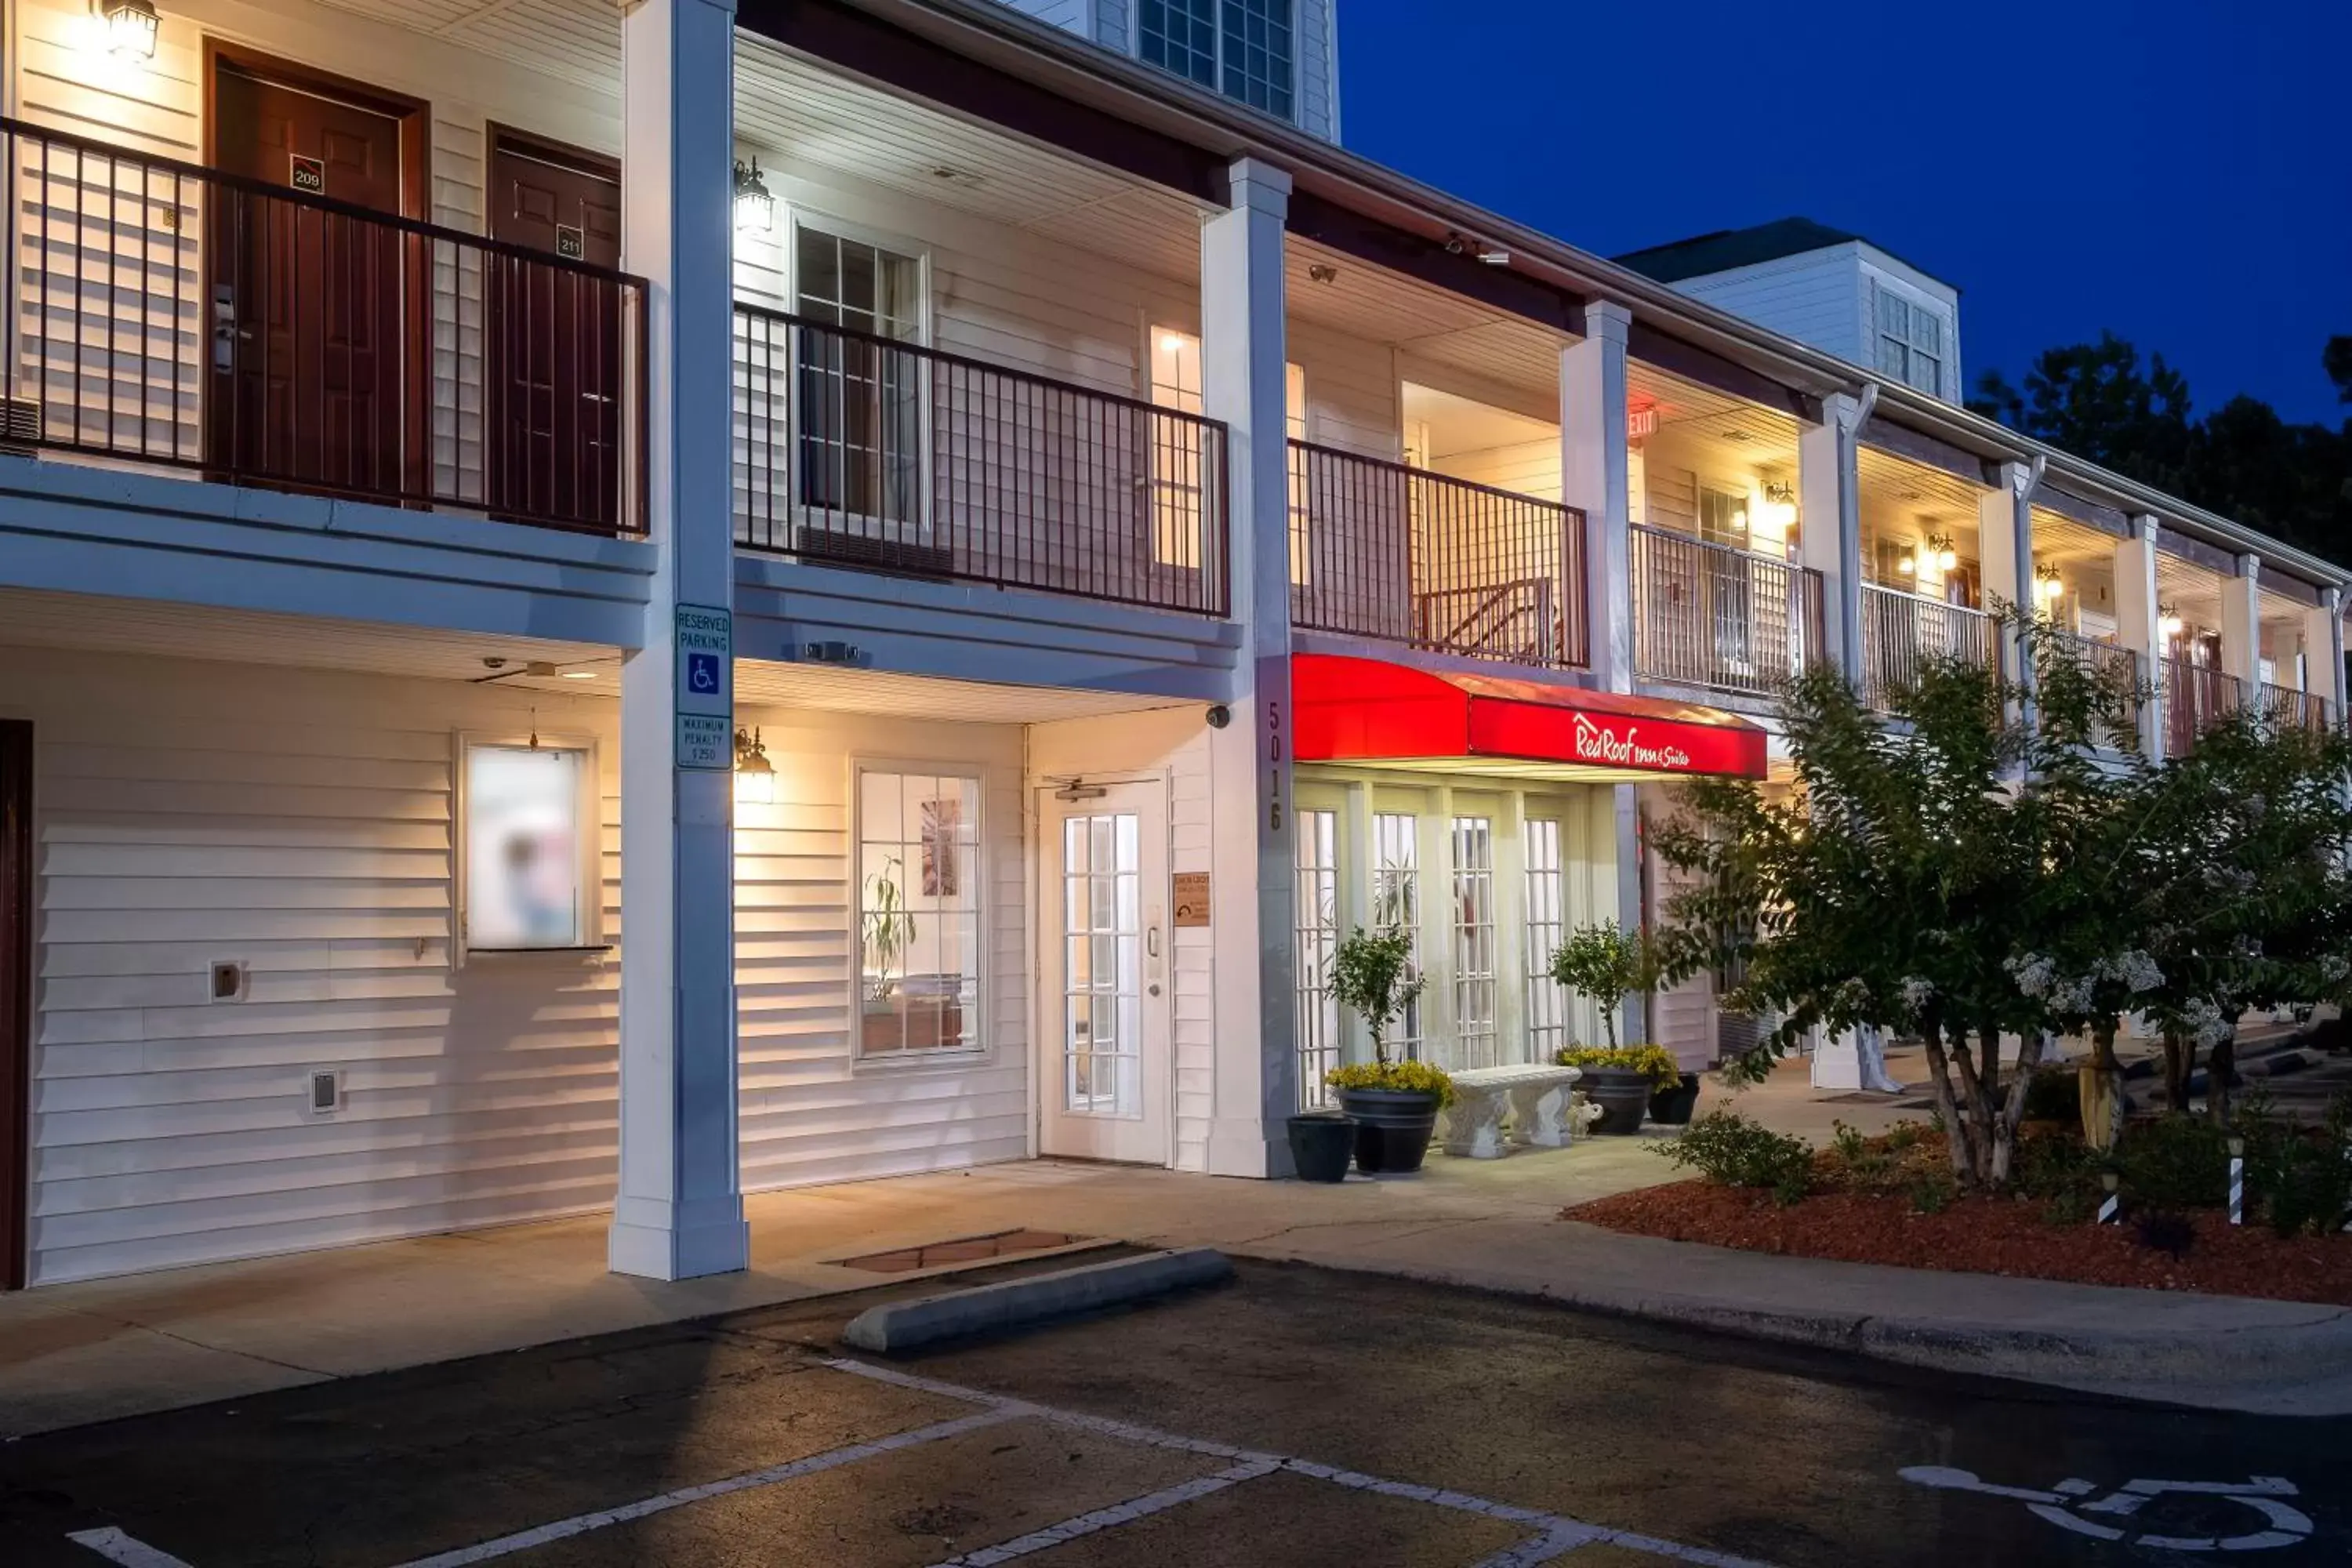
1295	1417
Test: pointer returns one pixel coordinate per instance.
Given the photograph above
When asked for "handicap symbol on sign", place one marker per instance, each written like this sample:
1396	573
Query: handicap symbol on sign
2077	1506
702	674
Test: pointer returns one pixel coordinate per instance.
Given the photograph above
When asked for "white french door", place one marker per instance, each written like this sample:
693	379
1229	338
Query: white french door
1104	1074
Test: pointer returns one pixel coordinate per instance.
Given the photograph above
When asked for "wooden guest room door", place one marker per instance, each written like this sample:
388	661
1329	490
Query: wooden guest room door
314	315
554	336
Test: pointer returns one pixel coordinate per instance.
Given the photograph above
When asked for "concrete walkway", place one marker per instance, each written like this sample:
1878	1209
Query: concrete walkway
76	1354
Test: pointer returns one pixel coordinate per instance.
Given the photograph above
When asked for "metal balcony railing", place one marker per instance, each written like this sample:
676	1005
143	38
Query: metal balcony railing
2285	708
1903	633
1383	550
175	316
2111	663
857	450
2197	698
1706	615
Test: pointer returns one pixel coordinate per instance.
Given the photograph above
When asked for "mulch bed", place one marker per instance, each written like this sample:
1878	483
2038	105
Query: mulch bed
1984	1235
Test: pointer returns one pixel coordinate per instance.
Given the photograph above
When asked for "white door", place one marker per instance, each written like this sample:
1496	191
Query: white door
1105	1077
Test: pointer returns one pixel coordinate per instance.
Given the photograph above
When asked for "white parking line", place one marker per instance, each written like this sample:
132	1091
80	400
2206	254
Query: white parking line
1558	1535
1110	1518
580	1524
116	1547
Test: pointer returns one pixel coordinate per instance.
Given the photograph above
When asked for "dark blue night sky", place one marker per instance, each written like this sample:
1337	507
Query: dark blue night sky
2179	171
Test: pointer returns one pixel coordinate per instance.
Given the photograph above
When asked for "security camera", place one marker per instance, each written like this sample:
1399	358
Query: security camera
1220	716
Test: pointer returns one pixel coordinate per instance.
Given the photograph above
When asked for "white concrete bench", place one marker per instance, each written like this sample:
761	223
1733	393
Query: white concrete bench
1535	1097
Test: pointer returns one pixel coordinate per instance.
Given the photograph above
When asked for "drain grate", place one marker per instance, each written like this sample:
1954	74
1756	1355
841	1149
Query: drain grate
961	1249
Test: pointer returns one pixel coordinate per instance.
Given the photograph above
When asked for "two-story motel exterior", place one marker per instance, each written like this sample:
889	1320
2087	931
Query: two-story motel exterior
1155	540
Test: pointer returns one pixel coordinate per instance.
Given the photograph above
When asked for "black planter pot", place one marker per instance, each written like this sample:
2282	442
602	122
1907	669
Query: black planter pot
1321	1145
1392	1128
1622	1093
1673	1107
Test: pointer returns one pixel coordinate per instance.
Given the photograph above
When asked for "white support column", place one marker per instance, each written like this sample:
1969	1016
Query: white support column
1829	483
1593	458
2323	651
2005	555
2242	626
2139	622
679	1211
1242	379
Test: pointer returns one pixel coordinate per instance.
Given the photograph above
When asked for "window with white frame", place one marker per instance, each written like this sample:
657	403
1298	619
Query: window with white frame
1475	968
1176	384
529	834
1723	517
1910	343
1242	49
1318	945
918	938
860	400
1545	928
1396	906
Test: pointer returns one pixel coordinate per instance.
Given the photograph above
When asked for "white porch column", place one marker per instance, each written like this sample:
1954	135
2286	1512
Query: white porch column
679	1212
1594	467
1593	462
1829	487
2323	651
2242	626
1243	356
2139	622
2005	555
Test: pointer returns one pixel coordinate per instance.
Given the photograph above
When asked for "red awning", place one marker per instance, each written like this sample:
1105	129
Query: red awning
1366	709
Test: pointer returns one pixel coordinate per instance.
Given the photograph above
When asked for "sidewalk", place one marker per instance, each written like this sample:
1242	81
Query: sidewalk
76	1354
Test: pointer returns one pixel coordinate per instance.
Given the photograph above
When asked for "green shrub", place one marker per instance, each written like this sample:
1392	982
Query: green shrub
1848	1142
2060	1169
1728	1149
2175	1162
1932	1192
2305	1182
2053	1094
1655	1062
1903	1134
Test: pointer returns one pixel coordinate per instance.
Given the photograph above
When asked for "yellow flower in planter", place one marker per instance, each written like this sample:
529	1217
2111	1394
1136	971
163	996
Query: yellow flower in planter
1653	1062
1394	1078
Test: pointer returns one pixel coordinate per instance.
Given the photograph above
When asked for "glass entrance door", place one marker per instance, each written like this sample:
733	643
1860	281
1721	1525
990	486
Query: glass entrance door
1105	1079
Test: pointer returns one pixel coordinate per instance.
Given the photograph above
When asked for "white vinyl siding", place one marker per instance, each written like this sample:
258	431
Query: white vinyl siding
300	824
810	1112
1814	298
1069	14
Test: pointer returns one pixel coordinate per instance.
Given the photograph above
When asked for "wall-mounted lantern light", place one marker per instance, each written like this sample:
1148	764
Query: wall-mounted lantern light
755	776
1947	558
755	209
2048	586
2172	625
131	27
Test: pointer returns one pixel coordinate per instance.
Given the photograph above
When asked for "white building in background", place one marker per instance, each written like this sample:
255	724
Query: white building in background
604	612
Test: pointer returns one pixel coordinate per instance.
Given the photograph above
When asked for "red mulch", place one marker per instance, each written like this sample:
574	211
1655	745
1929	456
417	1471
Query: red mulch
1984	1235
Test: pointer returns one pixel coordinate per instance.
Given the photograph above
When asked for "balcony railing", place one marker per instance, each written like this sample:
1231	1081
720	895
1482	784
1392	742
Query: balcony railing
1903	633
2197	698
857	450
1379	550
2285	708
2113	665
174	316
1706	614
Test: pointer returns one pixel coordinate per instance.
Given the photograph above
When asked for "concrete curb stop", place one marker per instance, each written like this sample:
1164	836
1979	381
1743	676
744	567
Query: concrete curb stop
1017	1304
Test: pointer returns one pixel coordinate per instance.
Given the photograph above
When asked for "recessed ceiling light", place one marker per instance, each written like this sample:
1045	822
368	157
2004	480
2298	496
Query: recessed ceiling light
579	675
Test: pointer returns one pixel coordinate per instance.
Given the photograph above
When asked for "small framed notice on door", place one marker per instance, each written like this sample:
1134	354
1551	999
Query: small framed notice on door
308	174
1191	899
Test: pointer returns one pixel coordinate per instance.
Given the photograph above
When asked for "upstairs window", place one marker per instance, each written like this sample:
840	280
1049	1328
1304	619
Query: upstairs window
1240	48
1911	344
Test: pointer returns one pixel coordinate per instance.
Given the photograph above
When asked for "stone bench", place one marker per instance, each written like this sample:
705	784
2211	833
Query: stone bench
1536	1098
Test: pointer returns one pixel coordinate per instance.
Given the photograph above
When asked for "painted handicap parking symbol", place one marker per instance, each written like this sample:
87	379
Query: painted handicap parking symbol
2078	1506
702	674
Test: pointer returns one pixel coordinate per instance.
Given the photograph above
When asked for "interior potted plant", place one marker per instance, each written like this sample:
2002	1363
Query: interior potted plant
1393	1104
1607	962
888	931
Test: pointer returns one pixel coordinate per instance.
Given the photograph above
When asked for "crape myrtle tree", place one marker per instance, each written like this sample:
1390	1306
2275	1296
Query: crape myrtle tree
1949	873
2241	889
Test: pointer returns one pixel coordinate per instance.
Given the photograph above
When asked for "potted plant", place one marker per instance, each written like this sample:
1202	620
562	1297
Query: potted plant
1608	963
1393	1104
888	931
